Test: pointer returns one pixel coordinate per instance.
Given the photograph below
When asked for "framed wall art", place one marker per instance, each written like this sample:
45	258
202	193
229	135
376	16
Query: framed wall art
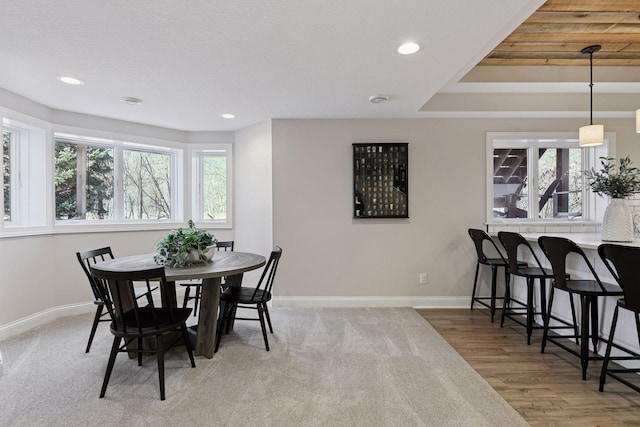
381	180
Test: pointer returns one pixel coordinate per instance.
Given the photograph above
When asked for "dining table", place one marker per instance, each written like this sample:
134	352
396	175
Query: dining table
231	265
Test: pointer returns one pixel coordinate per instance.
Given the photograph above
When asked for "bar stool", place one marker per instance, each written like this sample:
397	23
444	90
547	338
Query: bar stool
622	262
556	249
479	237
512	242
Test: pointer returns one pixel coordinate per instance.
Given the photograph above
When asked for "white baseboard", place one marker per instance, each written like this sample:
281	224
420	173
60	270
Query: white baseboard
43	317
416	302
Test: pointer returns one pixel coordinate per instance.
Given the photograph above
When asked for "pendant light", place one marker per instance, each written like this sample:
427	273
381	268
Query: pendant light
638	120
593	134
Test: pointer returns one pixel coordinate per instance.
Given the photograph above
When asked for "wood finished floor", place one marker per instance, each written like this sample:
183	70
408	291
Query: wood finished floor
546	389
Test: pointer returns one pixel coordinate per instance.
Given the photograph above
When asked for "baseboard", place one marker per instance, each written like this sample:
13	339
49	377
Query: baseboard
416	302
43	317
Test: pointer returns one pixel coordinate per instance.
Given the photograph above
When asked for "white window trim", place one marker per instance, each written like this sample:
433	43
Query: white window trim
594	206
82	136
196	152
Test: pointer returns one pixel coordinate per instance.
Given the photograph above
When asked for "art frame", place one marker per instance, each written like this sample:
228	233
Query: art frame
381	180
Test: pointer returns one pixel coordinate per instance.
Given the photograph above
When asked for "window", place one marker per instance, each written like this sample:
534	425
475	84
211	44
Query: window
212	173
99	179
539	178
24	177
6	169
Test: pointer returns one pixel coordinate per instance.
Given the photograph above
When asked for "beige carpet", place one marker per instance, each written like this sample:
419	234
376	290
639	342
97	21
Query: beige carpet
326	367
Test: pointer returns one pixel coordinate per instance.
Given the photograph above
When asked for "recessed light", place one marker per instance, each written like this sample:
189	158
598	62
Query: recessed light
378	99
70	80
229	116
132	101
408	48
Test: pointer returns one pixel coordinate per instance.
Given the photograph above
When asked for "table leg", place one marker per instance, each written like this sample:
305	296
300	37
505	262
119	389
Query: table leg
208	317
584	334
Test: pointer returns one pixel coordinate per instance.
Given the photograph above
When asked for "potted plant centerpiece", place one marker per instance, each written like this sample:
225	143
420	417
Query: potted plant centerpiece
183	247
617	224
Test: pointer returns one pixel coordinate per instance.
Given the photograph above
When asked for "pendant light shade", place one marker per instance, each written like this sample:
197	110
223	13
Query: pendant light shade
638	120
591	135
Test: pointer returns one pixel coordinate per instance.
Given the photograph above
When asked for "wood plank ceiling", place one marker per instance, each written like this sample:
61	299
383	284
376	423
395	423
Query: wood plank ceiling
557	32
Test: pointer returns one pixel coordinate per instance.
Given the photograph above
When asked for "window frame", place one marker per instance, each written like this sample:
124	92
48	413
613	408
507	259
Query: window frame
593	206
121	143
197	154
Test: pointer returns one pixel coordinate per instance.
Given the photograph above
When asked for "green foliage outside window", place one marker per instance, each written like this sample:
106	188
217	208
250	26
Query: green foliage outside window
6	141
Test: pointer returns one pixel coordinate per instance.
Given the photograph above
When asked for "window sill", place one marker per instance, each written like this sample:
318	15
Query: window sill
524	226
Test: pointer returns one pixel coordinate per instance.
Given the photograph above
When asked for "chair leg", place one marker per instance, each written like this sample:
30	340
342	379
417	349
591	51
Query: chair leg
187	343
547	320
160	355
607	354
594	324
221	325
197	300
506	304
574	318
94	327
266	312
475	284
263	326
585	302
543	298
112	359
187	291
139	351
530	286
494	282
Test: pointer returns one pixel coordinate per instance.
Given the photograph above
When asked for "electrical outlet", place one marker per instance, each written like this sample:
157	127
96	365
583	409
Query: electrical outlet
423	278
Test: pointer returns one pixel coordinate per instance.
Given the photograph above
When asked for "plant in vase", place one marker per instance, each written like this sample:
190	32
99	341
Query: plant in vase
183	247
617	224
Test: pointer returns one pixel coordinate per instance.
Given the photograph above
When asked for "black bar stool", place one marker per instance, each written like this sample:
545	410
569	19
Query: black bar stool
622	262
556	249
512	242
479	237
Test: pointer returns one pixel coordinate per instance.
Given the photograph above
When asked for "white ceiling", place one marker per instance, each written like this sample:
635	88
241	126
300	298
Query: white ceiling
192	60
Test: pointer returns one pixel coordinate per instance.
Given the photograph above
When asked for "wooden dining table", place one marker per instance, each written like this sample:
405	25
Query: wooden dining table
231	265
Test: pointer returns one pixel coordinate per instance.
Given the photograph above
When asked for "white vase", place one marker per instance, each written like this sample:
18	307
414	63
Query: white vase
617	224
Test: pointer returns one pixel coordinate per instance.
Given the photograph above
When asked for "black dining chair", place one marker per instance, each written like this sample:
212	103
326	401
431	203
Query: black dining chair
255	298
87	259
513	243
557	249
133	323
497	260
197	284
622	262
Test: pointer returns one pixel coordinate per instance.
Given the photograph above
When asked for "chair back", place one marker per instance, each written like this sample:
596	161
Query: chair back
225	246
89	258
479	238
512	242
556	250
269	273
128	315
622	262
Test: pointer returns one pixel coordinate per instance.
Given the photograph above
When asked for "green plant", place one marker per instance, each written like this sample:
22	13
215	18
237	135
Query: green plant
174	249
607	181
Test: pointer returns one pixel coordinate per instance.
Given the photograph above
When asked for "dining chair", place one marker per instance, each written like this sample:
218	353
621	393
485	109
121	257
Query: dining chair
513	242
197	284
557	250
497	260
133	323
255	298
87	259
622	262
